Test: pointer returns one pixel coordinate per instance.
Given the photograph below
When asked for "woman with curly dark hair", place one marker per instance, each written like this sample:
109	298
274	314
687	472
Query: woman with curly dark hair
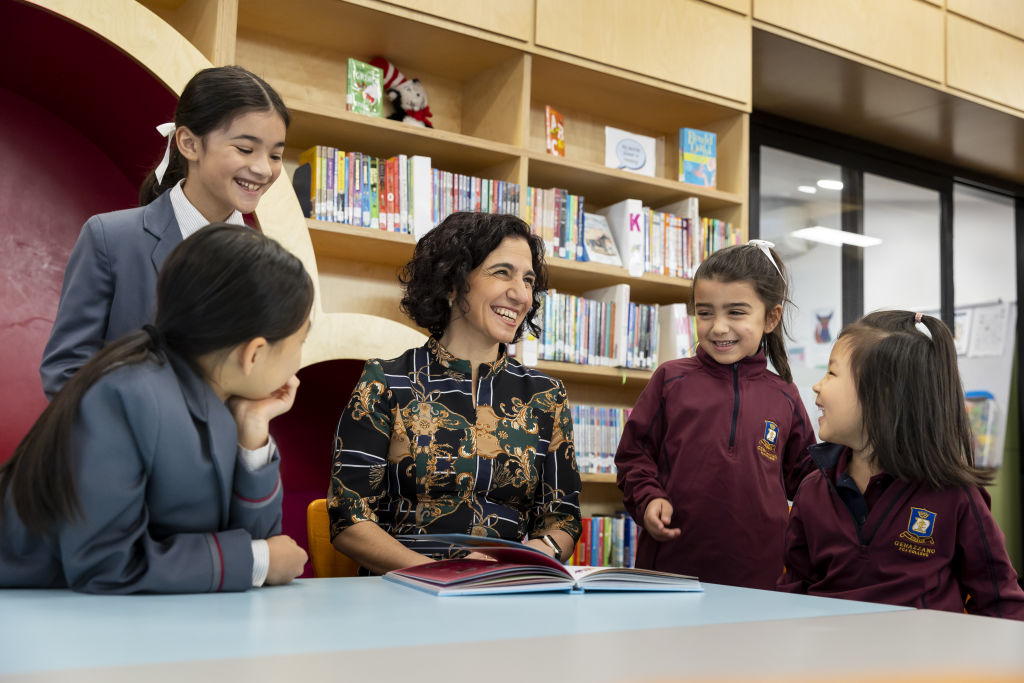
455	436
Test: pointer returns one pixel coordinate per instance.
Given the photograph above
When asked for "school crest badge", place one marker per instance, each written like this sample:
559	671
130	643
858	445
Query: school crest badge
917	538
769	441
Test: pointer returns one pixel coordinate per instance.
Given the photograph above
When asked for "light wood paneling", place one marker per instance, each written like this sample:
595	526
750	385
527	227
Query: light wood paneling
741	6
1005	15
512	18
210	25
905	34
687	42
985	62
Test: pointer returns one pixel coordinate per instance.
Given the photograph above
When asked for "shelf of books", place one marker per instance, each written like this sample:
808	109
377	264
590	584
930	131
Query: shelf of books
629	181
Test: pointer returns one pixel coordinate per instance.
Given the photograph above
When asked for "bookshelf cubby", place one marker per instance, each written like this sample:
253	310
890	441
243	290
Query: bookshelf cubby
487	90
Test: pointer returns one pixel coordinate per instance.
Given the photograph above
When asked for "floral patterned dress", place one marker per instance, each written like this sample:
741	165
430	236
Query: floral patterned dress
414	454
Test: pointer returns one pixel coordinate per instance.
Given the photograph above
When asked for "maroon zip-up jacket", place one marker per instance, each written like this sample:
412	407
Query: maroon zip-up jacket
727	446
917	547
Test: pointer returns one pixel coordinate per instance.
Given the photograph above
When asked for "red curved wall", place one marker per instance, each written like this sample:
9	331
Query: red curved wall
76	138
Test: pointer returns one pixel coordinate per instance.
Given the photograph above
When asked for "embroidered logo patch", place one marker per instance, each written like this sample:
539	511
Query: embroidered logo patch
917	538
768	443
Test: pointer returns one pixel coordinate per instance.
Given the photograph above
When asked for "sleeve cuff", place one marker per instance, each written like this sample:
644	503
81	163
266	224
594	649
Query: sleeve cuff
258	458
260	562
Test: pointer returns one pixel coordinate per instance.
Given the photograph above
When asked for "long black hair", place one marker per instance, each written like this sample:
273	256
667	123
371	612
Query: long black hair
443	259
223	286
911	399
747	263
210	101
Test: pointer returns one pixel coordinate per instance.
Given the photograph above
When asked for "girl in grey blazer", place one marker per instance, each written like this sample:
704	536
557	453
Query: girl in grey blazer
152	469
224	150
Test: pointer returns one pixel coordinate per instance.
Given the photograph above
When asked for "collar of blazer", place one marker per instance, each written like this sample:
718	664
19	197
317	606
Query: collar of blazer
221	432
158	220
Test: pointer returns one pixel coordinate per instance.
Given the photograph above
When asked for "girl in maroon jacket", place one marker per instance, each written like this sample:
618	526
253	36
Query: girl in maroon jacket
895	513
717	444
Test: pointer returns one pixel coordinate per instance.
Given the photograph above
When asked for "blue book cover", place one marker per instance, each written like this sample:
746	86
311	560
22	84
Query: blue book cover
697	157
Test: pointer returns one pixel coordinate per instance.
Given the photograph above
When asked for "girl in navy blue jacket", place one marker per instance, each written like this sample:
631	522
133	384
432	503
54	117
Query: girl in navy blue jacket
152	469
896	512
717	443
224	150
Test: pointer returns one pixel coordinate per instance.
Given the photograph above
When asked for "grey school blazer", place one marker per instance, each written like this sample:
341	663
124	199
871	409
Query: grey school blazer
167	504
109	285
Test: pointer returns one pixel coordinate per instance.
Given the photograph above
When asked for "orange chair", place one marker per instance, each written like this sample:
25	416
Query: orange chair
326	559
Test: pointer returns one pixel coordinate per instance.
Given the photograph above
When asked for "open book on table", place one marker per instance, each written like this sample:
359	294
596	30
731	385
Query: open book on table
518	568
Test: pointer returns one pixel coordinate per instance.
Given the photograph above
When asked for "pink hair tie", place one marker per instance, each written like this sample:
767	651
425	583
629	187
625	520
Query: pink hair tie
917	317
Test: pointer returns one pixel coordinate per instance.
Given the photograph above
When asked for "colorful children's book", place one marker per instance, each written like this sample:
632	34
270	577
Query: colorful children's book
554	131
697	157
598	243
365	88
518	568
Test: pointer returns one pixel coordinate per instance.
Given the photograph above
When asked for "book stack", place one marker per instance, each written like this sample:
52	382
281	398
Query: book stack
456	192
717	235
596	433
402	194
606	541
393	195
556	216
600	328
671	240
677	332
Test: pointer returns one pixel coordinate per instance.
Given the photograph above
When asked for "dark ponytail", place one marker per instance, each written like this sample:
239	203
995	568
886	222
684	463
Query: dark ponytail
747	263
210	101
223	286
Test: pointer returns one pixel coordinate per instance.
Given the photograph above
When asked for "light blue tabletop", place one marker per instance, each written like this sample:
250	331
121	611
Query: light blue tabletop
56	629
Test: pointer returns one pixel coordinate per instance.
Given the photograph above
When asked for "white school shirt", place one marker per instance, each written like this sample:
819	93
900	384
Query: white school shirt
188	217
190	220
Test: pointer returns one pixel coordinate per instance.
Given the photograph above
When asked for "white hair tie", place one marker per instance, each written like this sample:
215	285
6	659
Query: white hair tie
764	246
166	130
920	325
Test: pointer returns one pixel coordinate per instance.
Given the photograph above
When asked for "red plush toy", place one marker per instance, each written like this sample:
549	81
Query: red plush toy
407	95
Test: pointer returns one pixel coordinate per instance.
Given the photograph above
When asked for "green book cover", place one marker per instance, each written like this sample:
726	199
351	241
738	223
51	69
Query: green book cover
364	88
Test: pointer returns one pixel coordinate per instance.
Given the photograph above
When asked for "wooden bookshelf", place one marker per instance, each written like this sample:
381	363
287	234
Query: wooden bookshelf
487	83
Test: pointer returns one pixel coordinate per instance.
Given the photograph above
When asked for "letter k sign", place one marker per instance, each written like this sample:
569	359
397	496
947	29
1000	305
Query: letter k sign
634	222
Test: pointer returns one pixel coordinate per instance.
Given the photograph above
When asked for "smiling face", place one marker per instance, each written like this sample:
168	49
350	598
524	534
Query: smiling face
839	413
231	167
731	319
500	296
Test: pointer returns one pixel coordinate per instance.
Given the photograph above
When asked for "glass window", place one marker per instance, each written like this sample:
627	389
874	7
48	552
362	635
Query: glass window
792	200
904	270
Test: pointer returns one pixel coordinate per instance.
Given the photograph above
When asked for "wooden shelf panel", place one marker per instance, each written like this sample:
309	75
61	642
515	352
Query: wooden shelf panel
601	186
364	32
619	99
596	374
386	138
577	277
596	478
355	243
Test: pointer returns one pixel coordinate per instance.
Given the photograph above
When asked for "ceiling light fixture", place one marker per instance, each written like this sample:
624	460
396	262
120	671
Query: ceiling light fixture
827	184
807	189
836	238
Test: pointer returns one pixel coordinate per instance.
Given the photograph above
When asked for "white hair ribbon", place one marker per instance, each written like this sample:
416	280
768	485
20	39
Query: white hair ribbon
920	326
166	130
764	246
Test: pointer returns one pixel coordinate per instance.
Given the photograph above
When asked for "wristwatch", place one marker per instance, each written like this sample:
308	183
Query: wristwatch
550	541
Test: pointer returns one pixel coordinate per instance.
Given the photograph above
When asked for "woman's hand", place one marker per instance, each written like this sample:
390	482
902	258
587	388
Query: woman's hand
286	560
657	518
540	545
253	416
